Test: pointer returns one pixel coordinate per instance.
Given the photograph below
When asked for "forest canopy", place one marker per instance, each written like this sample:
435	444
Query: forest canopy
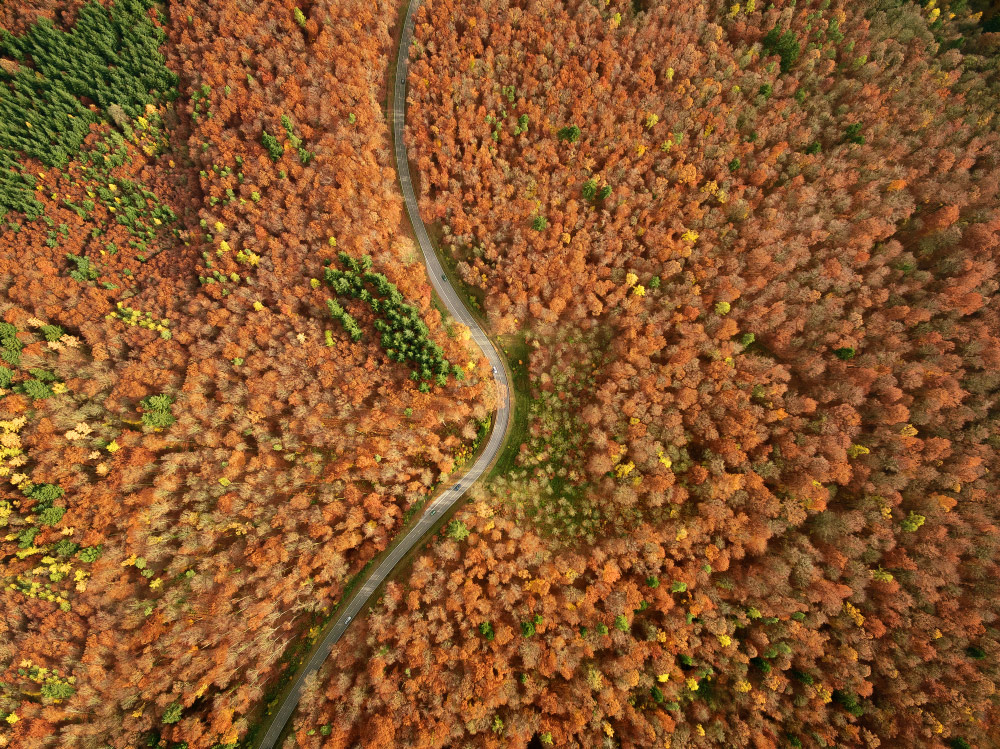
742	261
747	254
196	459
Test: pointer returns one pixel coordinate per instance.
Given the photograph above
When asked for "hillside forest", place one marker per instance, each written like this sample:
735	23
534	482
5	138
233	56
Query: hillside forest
741	257
747	253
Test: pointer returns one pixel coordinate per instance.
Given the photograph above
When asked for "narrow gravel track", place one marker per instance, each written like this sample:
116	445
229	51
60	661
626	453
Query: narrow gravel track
453	301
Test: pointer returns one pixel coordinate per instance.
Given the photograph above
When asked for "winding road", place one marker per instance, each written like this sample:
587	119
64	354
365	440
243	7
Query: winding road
433	512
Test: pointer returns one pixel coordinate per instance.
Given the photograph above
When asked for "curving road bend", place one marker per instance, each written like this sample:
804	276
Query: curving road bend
452	494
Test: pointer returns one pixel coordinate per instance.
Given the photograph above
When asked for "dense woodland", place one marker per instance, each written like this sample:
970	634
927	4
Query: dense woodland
749	251
196	456
742	256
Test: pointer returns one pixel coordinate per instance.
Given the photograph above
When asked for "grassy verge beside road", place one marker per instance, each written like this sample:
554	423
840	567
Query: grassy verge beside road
516	351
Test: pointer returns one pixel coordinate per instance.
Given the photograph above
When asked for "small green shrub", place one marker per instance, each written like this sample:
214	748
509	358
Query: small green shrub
852	133
761	664
83	272
912	521
46	494
272	145
156	411
569	133
26	537
173	713
784	44
66	548
57	690
51	515
849	701
35	389
52	332
976	652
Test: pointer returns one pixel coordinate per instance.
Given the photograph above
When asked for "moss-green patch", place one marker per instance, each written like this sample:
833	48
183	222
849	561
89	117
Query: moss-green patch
544	484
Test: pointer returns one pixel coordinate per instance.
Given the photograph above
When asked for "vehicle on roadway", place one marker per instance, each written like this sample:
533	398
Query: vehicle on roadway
444	277
348	620
434	511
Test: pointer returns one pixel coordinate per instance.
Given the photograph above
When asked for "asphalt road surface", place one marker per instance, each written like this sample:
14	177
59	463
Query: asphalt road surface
452	494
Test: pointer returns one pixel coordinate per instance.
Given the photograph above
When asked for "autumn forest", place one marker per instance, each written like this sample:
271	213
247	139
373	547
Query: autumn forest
741	259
